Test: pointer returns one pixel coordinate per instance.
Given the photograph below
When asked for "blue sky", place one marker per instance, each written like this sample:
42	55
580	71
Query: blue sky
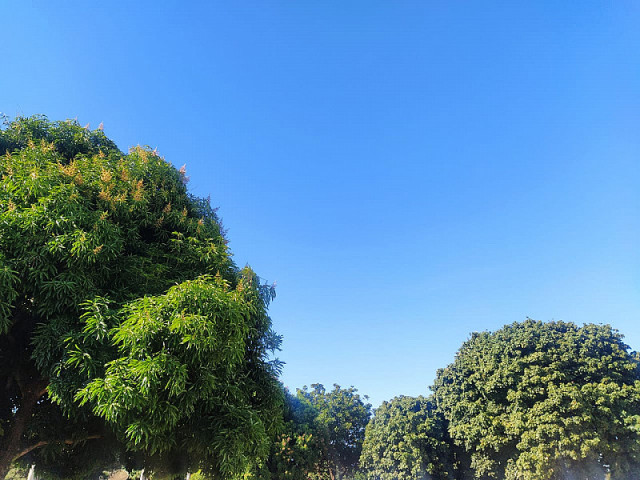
408	172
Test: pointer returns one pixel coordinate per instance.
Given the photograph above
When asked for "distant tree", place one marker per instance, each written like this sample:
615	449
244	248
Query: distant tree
342	416
123	320
407	440
542	401
297	452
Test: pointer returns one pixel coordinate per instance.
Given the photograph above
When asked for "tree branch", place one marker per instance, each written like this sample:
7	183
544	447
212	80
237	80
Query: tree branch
42	443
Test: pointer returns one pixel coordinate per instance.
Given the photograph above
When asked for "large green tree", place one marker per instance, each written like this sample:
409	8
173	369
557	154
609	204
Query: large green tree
123	319
407	440
542	401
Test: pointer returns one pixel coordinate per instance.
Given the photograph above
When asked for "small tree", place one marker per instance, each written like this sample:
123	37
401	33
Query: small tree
342	417
123	319
297	452
407	440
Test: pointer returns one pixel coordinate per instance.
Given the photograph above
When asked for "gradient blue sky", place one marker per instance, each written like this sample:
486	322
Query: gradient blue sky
408	172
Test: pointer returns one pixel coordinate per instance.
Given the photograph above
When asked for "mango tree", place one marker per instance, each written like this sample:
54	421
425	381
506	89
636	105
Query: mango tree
544	401
123	319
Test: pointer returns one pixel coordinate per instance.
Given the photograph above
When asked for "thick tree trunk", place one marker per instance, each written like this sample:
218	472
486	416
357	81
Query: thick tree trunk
11	444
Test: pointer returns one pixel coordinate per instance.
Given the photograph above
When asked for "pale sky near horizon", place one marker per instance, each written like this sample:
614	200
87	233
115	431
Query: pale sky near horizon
407	172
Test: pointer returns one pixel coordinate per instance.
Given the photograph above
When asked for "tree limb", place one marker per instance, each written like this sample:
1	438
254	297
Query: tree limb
42	443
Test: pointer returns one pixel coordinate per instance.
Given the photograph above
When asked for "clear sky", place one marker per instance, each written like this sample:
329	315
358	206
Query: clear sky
407	171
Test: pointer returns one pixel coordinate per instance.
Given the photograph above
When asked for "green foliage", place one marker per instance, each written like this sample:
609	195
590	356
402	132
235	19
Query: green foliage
407	440
297	451
538	401
342	416
321	437
118	293
68	138
179	376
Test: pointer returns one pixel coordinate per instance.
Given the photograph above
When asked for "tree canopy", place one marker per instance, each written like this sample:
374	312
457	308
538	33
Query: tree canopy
407	440
122	315
341	418
539	401
300	447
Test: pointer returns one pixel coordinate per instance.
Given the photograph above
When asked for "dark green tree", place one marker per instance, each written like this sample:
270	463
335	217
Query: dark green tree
407	440
544	401
122	315
342	416
297	451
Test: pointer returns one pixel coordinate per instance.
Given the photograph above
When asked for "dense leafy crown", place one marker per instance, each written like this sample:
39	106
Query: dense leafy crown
117	288
300	447
322	435
537	401
342	416
406	440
